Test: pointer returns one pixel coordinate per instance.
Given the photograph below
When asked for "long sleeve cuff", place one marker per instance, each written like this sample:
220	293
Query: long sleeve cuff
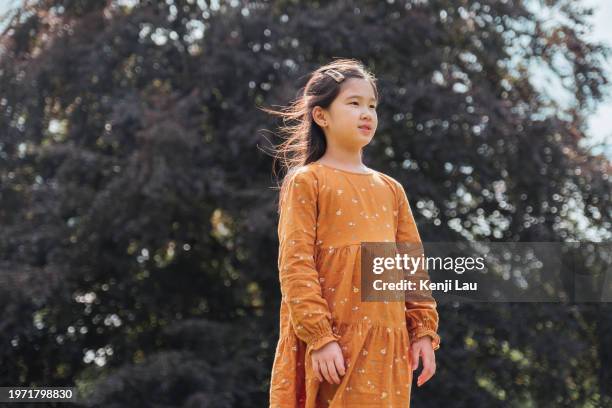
318	342
322	335
319	334
422	331
422	320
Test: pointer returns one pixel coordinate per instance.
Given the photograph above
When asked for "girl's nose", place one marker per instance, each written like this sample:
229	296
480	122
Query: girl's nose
366	115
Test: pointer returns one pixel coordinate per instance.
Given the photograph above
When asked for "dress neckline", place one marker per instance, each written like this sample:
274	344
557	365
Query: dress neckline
345	171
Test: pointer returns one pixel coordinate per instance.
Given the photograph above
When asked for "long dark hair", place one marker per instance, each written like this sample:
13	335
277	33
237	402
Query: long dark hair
304	141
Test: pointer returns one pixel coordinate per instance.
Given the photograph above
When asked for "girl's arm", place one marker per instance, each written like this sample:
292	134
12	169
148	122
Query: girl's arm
421	316
299	278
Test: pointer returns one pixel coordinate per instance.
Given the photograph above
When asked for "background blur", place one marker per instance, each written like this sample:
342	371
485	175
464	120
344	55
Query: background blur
138	241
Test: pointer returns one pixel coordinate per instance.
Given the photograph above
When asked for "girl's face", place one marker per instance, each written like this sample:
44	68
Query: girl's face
351	119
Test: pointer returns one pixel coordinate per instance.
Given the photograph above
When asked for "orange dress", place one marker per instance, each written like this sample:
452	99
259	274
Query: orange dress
325	214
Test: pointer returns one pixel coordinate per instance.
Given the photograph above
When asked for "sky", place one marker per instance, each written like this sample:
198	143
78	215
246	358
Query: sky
599	122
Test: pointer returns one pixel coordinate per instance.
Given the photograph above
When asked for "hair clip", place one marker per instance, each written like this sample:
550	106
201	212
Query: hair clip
338	77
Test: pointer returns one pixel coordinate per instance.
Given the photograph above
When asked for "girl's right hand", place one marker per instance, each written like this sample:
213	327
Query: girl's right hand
328	362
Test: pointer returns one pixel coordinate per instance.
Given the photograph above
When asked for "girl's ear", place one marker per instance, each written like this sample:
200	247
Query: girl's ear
319	116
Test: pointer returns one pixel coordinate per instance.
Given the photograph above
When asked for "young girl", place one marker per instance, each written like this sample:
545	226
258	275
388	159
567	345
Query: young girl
335	350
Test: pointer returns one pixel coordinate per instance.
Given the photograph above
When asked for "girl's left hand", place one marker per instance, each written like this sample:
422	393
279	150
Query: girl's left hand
423	348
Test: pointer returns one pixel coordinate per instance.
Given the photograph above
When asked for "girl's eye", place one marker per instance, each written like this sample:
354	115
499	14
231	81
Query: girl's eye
357	103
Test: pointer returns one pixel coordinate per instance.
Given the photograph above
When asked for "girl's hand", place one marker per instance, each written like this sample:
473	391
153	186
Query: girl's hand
422	348
328	362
